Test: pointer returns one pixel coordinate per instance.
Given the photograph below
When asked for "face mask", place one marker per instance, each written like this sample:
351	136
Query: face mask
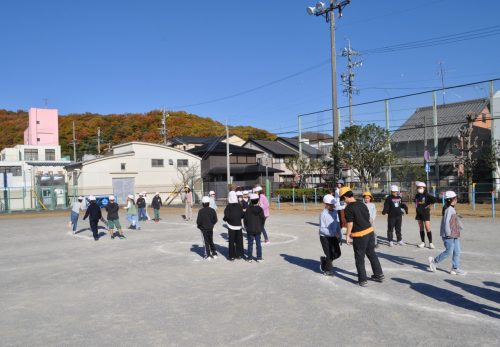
420	190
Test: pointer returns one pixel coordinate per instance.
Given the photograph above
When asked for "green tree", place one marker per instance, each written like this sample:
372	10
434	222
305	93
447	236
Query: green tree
407	173
364	149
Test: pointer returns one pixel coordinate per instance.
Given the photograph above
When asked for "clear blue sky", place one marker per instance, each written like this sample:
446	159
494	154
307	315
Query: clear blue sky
134	56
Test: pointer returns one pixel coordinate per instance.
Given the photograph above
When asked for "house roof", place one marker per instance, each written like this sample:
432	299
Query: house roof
220	148
195	140
294	143
273	147
450	118
315	136
243	169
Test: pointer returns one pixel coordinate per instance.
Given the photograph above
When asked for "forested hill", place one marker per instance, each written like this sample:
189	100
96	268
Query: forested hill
120	128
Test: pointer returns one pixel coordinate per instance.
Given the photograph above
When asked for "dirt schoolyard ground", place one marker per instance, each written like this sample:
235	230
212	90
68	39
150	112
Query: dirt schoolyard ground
154	288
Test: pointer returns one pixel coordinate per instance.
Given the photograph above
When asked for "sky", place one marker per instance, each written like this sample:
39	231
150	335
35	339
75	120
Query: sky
259	62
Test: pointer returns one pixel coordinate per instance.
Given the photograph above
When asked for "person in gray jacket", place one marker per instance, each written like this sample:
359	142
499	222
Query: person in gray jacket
329	235
451	226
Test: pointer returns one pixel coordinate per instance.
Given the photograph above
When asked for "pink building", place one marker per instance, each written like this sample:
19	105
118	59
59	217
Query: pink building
43	127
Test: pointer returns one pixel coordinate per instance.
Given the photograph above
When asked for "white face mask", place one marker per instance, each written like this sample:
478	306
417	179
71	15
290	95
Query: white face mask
420	190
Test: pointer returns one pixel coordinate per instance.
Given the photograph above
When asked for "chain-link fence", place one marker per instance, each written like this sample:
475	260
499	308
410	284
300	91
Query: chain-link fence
26	199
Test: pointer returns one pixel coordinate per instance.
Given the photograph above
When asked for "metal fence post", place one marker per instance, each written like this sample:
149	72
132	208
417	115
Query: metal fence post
493	206
315	196
293	196
304	201
473	196
279	201
434	191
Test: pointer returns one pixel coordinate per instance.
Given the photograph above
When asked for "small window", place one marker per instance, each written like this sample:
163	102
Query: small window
123	166
156	162
31	154
50	154
170	162
182	163
37	122
38	139
16	171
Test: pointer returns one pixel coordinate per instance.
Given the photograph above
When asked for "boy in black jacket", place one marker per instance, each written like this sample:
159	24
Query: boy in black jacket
394	208
254	224
233	214
141	205
94	214
207	218
156	204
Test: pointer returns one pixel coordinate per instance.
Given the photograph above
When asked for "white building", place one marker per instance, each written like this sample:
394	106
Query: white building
134	167
32	177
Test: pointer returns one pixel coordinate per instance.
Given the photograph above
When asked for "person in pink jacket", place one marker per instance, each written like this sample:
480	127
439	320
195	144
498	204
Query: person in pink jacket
264	204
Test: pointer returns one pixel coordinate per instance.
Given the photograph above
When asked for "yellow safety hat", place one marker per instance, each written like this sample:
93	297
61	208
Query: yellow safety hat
344	190
368	194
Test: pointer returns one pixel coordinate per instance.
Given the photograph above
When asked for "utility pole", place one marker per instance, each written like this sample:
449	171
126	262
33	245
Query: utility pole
228	173
329	13
163	129
441	74
74	142
300	137
98	140
348	78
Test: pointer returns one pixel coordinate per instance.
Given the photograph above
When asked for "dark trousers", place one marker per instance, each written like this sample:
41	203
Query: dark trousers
362	246
258	245
208	240
264	232
331	248
394	223
235	244
93	227
142	213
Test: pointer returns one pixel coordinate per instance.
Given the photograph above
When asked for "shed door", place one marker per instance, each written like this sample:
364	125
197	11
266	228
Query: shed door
123	187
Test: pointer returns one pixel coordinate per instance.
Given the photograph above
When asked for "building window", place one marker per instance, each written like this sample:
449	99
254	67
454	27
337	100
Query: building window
14	170
31	154
123	166
38	139
170	162
50	154
37	122
156	162
182	163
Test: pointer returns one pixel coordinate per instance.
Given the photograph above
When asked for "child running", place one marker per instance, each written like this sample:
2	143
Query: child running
394	208
113	220
368	200
423	201
206	220
94	214
254	220
132	213
329	235
76	207
451	226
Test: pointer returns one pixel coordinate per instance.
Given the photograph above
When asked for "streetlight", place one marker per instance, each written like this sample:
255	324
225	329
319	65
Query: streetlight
329	13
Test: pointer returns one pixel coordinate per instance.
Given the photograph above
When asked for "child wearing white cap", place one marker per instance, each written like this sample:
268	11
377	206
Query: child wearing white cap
94	214
206	220
423	201
188	203
76	207
254	224
451	227
113	219
132	213
213	203
156	204
394	208
329	235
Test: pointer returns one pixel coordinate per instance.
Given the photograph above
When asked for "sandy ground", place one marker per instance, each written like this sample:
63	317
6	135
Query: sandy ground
154	288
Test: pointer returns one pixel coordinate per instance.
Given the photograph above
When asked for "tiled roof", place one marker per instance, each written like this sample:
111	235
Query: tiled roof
294	143
220	148
275	148
184	140
450	118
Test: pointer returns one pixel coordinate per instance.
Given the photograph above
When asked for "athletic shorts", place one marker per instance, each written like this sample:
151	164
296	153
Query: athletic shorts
115	223
423	214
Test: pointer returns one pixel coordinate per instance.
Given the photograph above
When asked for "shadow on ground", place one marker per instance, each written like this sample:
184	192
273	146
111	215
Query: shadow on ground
449	297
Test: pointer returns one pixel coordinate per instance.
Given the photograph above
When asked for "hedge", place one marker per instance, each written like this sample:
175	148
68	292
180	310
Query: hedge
287	193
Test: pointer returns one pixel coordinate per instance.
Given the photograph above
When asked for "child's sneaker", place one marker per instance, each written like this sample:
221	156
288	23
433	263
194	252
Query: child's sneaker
329	273
379	278
391	243
214	256
431	246
258	260
322	264
422	245
121	237
363	284
458	272
432	264
401	243
207	257
248	260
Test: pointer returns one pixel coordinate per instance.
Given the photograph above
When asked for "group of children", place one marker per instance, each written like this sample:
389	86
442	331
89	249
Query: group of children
243	211
136	211
359	225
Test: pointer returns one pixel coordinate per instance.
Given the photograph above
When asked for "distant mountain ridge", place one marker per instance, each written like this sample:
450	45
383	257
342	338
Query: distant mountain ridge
121	128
